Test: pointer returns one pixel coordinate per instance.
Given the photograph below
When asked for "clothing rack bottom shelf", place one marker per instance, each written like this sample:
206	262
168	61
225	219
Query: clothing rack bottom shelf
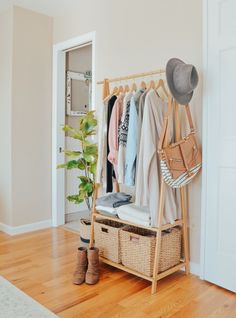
151	279
154	229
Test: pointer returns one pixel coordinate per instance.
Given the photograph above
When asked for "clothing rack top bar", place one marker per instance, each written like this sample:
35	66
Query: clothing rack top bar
138	75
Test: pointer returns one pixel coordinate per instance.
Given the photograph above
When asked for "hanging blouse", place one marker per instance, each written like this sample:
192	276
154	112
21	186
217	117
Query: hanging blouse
148	173
109	167
122	138
115	120
132	140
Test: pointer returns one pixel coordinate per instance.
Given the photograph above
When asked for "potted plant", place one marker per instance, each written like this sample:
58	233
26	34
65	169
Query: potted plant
86	161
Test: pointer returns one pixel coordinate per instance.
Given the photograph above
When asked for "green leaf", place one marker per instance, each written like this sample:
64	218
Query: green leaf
63	165
71	153
81	163
88	188
89	158
84	179
82	194
78	135
91	149
72	164
92	168
68	128
75	199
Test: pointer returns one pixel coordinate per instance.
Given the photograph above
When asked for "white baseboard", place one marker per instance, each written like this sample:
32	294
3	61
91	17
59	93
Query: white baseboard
14	230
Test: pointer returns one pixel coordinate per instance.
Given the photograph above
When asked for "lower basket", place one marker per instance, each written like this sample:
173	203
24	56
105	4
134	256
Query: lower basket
138	249
107	239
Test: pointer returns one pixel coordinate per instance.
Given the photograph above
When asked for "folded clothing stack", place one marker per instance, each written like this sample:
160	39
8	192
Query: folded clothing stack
135	214
109	203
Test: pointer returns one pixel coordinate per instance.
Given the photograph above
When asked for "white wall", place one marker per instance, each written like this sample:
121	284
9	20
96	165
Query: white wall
134	37
6	39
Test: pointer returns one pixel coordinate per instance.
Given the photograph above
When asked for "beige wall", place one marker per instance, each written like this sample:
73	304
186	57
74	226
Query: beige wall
25	117
132	37
31	117
6	36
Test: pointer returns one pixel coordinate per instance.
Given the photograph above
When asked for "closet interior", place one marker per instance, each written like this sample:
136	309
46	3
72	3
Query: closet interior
160	224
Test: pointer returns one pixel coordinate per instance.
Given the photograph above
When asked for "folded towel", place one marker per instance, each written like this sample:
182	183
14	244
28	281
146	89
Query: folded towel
106	209
114	199
134	212
134	220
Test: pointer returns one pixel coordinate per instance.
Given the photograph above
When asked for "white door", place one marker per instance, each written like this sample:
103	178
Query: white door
220	145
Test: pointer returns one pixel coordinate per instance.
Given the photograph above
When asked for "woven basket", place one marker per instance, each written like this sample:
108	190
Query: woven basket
107	239
84	230
138	249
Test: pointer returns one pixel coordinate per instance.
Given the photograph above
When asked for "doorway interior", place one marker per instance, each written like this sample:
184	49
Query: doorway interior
73	95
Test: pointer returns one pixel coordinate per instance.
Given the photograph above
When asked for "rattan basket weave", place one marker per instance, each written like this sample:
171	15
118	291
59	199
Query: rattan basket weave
107	239
138	249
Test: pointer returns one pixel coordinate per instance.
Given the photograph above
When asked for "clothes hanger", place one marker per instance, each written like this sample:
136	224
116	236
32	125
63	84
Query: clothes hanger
115	91
127	88
133	87
121	88
151	85
161	84
143	85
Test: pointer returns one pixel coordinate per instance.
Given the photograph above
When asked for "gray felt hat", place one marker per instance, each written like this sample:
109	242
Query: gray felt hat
182	79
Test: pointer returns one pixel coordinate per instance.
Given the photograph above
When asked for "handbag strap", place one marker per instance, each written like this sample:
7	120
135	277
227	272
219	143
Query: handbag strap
163	137
189	116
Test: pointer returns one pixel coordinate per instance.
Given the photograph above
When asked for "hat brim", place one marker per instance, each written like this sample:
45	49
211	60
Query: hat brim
181	99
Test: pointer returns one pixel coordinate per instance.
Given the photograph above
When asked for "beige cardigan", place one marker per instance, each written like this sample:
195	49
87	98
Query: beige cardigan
148	172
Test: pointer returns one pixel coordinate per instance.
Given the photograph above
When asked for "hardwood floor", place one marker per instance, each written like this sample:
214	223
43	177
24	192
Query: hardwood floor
41	264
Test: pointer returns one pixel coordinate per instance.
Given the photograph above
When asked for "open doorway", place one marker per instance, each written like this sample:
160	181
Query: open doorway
73	95
78	102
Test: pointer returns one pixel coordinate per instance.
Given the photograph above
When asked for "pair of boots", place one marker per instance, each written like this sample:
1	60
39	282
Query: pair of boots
87	267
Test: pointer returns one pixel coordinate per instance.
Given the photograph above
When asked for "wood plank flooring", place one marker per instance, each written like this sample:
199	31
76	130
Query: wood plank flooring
41	264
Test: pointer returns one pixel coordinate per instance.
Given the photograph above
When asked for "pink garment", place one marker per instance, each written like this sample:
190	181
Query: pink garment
113	130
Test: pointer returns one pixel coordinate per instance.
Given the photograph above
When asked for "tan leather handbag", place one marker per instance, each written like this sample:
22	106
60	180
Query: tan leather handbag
180	161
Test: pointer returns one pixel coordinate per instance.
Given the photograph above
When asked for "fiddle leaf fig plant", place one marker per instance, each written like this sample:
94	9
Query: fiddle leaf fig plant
84	160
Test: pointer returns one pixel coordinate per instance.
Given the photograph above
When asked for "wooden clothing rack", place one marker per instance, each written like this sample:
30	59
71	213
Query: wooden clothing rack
160	227
133	76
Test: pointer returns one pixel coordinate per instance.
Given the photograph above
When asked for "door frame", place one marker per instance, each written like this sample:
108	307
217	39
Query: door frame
58	118
204	135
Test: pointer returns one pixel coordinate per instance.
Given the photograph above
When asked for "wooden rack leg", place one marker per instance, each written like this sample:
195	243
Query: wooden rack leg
91	242
158	237
182	195
93	217
185	229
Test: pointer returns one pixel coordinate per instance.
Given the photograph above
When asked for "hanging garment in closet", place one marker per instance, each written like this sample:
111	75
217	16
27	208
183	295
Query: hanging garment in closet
101	170
122	137
115	120
148	173
109	173
140	115
132	140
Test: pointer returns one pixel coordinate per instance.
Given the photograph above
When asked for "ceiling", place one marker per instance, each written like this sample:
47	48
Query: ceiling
49	7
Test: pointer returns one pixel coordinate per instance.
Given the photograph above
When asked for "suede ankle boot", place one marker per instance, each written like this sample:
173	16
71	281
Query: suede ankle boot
81	266
92	275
